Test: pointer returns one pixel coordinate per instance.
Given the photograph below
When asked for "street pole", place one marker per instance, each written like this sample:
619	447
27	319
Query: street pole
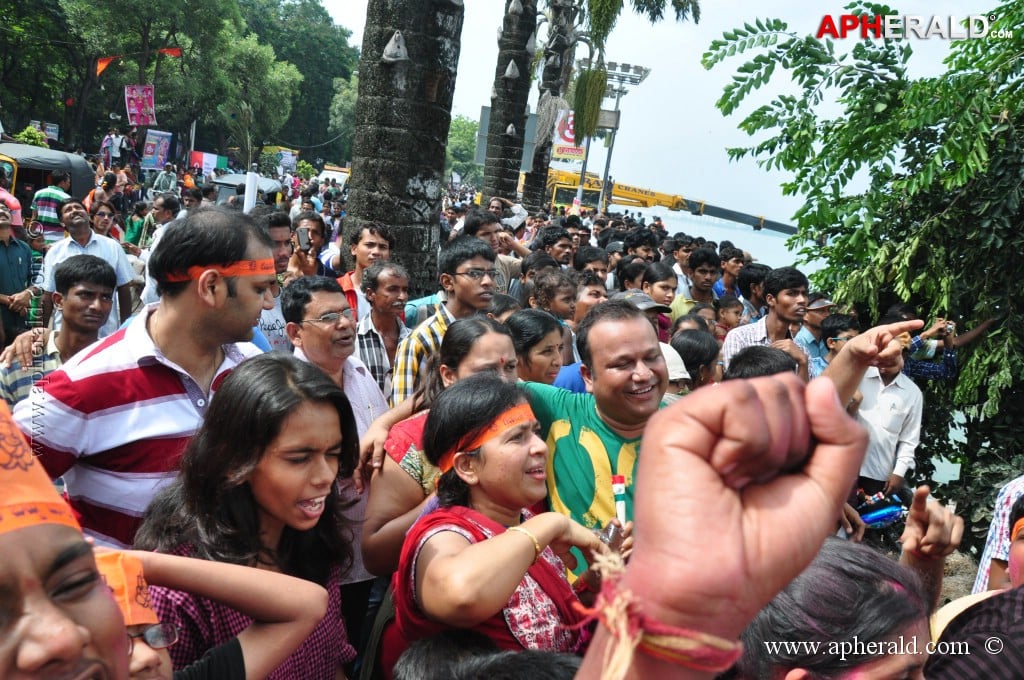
608	158
578	203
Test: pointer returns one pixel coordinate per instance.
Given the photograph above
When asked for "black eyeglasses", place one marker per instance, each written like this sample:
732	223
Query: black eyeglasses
479	274
332	317
157	636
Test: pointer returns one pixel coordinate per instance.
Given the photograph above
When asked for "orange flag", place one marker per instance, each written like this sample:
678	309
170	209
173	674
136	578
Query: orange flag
171	51
102	63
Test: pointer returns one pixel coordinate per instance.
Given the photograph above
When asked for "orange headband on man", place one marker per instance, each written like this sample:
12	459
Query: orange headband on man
263	267
28	497
1018	525
123	574
517	415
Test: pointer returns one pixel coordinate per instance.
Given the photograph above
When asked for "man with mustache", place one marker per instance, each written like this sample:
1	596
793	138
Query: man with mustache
386	287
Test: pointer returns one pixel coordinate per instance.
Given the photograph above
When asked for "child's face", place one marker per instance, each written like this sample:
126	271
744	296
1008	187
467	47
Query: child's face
730	316
37	243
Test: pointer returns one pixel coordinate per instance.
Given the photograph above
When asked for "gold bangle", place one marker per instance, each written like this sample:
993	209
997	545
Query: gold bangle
529	534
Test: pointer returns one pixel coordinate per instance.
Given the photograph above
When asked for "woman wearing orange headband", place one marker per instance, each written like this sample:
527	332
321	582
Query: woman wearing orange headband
481	561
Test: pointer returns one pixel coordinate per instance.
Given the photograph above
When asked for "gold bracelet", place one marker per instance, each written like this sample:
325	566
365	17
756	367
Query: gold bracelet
529	534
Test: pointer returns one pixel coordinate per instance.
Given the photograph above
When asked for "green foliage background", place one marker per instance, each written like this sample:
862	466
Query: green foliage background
912	192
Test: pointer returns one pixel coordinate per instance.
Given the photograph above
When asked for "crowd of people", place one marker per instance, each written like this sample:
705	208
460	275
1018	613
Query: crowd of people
597	450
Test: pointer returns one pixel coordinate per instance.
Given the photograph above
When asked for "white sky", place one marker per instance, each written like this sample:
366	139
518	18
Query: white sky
672	139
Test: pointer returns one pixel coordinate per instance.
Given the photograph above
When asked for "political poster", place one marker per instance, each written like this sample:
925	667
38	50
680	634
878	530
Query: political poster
138	102
563	146
156	150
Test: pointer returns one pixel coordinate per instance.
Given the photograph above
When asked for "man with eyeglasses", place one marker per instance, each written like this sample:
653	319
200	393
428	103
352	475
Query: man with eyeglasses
113	421
468	277
837	330
165	210
322	328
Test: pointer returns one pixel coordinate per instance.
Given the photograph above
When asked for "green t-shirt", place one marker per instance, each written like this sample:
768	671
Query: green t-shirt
583	454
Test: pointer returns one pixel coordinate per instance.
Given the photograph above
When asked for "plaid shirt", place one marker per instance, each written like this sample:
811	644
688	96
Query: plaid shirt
371	350
414	349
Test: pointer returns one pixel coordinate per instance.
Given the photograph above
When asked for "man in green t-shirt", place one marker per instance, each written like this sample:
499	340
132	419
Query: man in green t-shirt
596	435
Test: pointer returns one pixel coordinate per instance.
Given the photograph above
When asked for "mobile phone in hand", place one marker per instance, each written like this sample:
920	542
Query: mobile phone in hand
303	234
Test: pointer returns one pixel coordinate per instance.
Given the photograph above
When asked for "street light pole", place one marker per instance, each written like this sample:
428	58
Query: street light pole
620	75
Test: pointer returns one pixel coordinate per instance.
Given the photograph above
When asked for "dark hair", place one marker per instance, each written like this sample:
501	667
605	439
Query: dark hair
704	256
535	664
457	416
109	179
272	218
696	348
95	207
375	228
759	360
904	310
81	269
501	304
639	237
70	200
459	250
783	278
658	271
585	277
1016	512
477	218
628	269
437	657
536	261
58	176
848	592
206	237
834	324
549	236
139	207
171	202
299	293
210	505
692	317
194	192
727	301
547	285
729	252
372	274
587	254
311	216
612	310
529	327
751	274
456	345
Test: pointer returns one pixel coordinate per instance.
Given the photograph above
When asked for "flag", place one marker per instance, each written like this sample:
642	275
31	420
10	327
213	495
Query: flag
171	51
103	62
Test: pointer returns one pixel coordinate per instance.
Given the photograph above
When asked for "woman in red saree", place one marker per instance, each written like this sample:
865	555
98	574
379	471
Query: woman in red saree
480	560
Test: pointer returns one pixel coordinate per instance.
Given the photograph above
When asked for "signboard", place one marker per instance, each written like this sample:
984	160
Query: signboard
563	147
155	150
138	102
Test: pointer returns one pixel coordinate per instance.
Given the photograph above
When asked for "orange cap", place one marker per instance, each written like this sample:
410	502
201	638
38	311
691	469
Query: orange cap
27	496
123	573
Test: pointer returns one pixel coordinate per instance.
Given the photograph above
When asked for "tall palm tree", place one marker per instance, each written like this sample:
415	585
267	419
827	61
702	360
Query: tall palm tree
507	127
407	70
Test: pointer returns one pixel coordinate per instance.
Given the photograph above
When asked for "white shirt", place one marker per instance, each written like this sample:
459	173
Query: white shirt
892	416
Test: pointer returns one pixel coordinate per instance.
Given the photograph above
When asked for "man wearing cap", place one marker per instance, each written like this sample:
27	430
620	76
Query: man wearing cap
114	420
819	307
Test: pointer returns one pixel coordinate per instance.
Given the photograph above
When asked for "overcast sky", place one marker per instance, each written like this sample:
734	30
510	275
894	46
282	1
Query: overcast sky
672	138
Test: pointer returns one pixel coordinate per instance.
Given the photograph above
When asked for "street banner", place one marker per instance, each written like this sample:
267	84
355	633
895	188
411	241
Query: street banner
138	102
207	161
156	150
563	147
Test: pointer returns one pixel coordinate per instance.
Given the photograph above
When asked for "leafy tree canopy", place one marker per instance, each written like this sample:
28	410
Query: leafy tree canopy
912	191
461	150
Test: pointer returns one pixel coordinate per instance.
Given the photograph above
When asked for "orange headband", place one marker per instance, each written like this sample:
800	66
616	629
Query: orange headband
1016	529
240	268
517	415
29	498
123	574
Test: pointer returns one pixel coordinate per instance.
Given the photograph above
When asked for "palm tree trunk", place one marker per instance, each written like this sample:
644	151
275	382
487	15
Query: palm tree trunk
401	128
508	104
553	81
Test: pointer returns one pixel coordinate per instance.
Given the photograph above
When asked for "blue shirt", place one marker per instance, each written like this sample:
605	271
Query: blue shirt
815	348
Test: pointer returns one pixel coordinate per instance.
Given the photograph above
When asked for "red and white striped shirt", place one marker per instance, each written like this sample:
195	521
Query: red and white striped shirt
114	421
